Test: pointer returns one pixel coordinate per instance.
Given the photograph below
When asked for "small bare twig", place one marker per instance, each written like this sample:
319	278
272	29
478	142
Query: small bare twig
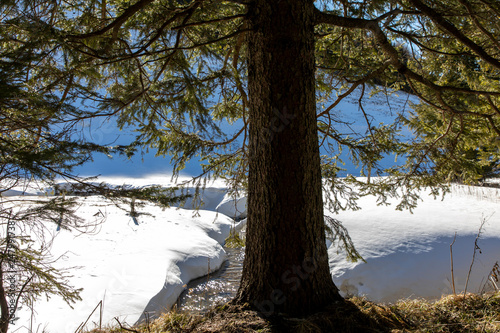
82	325
124	328
147	321
451	259
493	278
476	248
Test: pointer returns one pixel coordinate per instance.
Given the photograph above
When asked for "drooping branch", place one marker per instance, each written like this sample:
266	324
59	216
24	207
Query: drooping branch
390	50
414	39
134	54
194	24
449	28
159	33
481	27
117	22
341	21
395	60
365	79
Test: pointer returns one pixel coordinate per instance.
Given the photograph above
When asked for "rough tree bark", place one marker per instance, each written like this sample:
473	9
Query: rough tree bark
286	265
4	306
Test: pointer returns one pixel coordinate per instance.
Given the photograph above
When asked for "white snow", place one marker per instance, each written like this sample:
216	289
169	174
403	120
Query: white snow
136	268
132	268
408	255
234	207
143	268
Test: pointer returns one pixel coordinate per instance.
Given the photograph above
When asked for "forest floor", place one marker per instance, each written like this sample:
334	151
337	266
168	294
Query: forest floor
453	313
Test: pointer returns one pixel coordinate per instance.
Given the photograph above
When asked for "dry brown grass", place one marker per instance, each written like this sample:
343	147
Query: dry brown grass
472	313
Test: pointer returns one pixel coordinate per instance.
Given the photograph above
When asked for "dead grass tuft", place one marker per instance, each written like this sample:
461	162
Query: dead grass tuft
454	313
451	314
233	318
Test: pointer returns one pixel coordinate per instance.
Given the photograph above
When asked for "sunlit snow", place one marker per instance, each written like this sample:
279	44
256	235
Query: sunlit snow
136	269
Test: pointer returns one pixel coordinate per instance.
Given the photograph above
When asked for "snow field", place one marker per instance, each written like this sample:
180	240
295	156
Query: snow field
132	268
408	255
138	269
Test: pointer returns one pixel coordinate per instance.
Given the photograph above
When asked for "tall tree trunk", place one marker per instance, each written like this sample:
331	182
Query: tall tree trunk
286	265
4	306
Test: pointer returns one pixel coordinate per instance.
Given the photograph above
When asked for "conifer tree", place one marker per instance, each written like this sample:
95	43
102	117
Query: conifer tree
41	143
180	71
36	145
